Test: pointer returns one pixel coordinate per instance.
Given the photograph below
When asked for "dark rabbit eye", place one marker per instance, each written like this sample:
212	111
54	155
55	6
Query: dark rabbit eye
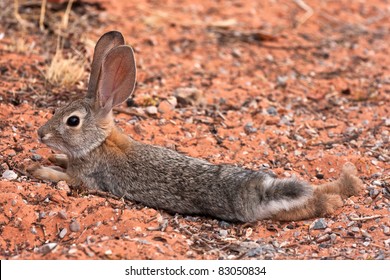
73	121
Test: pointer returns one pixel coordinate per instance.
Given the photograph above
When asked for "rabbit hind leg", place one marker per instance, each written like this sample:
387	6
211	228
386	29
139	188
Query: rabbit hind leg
347	185
319	205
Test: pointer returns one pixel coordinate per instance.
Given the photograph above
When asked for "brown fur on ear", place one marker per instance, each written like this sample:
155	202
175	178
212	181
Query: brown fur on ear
106	43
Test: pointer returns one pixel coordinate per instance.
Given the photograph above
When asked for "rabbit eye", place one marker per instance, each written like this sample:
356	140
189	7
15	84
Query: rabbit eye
73	121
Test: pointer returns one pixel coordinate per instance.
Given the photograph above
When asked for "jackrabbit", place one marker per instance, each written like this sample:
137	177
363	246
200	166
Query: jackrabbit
97	154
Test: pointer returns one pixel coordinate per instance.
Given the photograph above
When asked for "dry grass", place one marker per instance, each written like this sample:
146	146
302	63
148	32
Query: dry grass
20	45
64	71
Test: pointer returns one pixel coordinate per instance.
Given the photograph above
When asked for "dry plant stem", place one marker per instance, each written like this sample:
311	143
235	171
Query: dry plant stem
130	112
42	16
65	18
16	12
306	8
365	218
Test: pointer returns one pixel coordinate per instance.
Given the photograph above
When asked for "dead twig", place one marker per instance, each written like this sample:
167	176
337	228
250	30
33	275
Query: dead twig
130	112
365	218
42	15
309	11
345	139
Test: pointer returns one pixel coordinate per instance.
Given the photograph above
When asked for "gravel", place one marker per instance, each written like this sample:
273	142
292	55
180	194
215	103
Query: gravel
249	129
9	175
151	110
62	233
47	248
319	224
36	157
74	226
223	233
62	214
355	229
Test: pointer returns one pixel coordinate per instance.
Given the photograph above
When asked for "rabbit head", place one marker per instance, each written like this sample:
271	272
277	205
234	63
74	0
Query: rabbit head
84	124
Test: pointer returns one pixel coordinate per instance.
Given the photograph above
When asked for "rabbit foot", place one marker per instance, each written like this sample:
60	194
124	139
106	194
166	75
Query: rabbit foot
328	204
48	173
320	205
59	160
347	185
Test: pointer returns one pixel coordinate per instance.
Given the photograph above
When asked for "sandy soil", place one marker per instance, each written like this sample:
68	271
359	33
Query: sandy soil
256	84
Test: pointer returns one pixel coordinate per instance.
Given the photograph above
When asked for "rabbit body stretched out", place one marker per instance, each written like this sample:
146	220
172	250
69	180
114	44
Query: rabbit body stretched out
97	154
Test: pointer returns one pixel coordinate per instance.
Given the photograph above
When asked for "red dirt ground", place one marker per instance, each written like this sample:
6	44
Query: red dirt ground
301	97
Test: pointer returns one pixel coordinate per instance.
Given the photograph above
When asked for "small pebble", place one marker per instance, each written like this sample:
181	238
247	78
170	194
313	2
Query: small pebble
367	200
380	256
36	157
108	252
165	106
249	129
374	193
319	224
9	175
33	230
62	233
386	230
12	153
355	229
323	238
328	230
151	110
272	111
281	81
4	166
320	176
62	214
74	226
255	252
62	185
47	248
377	183
72	251
223	233
366	234
190	253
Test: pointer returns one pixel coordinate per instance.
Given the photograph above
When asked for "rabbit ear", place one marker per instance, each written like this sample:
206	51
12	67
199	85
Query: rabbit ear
106	43
117	78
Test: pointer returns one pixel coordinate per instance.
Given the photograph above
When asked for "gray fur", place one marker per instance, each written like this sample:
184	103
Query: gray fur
164	179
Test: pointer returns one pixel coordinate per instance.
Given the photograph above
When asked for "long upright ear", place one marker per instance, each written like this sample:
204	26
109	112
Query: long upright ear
117	77
106	43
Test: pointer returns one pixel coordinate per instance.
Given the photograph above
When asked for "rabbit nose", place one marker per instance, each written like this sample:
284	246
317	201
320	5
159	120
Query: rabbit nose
41	133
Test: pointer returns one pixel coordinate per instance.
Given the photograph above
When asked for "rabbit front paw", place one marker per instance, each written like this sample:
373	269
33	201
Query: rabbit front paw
47	173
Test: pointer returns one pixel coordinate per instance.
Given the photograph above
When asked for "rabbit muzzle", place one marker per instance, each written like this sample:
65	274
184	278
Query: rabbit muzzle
43	135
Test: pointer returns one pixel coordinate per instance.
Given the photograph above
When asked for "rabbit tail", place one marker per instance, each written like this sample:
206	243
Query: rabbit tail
266	196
